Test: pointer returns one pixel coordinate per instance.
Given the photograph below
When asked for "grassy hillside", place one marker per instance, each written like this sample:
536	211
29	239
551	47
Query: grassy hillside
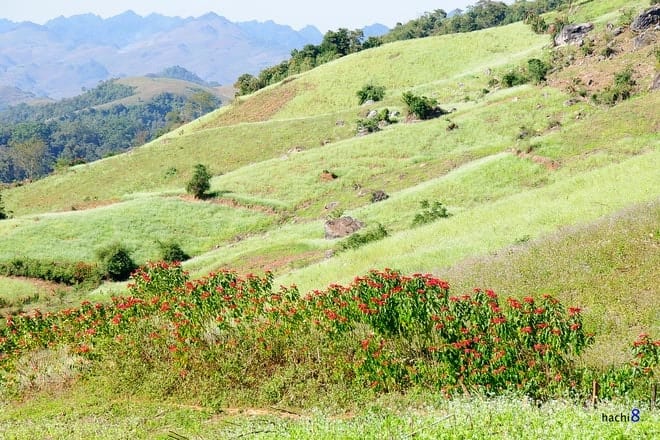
547	191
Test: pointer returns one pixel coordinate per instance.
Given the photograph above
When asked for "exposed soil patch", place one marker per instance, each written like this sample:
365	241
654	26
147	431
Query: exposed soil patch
91	204
47	286
548	163
596	71
262	263
327	176
232	204
262	109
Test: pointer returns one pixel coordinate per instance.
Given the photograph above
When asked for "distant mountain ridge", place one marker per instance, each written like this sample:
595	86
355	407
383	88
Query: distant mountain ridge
65	54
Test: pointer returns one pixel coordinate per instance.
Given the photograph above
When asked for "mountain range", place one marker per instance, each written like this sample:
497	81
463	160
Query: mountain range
60	57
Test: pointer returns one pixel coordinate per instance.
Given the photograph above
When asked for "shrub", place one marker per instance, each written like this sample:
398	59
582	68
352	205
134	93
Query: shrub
3	213
422	107
619	91
171	251
370	92
587	47
537	70
55	271
373	124
200	182
116	262
513	78
536	22
430	213
360	239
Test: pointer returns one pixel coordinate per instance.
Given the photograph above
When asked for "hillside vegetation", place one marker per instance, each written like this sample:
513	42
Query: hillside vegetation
109	119
550	196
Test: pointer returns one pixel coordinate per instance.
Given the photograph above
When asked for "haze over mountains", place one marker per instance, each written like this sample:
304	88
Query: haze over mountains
58	58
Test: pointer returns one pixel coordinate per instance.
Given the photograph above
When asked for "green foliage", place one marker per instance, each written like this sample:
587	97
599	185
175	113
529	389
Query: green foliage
76	129
620	90
385	330
359	239
373	124
170	251
514	78
116	261
3	212
537	70
536	22
587	47
200	182
55	271
422	107
430	213
370	92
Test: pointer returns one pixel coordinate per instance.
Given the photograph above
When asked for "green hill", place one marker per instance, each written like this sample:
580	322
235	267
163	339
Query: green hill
550	188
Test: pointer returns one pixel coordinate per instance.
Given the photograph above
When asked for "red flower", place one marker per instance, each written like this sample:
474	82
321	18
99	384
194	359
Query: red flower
498	320
542	325
513	303
574	311
528	300
117	319
526	329
575	326
539	311
365	343
491	294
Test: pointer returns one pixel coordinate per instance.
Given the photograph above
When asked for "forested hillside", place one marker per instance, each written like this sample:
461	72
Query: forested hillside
36	139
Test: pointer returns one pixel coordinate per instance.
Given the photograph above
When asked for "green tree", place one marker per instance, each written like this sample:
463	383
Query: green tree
31	157
200	182
116	262
370	92
171	251
537	70
246	84
421	106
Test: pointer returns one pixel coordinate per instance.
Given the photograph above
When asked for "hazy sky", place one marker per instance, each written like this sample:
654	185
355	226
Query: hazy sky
324	14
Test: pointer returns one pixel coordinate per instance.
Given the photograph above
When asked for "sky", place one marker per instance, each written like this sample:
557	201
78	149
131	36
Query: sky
325	14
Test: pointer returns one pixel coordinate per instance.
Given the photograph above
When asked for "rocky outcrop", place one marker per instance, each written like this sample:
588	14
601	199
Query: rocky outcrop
573	34
646	20
342	227
655	85
379	196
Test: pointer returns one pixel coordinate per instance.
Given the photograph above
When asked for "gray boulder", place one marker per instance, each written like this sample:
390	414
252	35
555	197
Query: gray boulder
573	34
646	20
342	227
655	85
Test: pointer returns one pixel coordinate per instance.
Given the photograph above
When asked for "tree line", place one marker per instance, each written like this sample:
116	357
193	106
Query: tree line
336	44
35	139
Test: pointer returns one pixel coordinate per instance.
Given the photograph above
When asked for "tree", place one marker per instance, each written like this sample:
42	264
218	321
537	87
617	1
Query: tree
200	182
246	84
31	157
116	262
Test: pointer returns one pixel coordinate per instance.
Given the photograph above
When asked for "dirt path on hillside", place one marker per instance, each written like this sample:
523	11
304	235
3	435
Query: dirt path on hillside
231	203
